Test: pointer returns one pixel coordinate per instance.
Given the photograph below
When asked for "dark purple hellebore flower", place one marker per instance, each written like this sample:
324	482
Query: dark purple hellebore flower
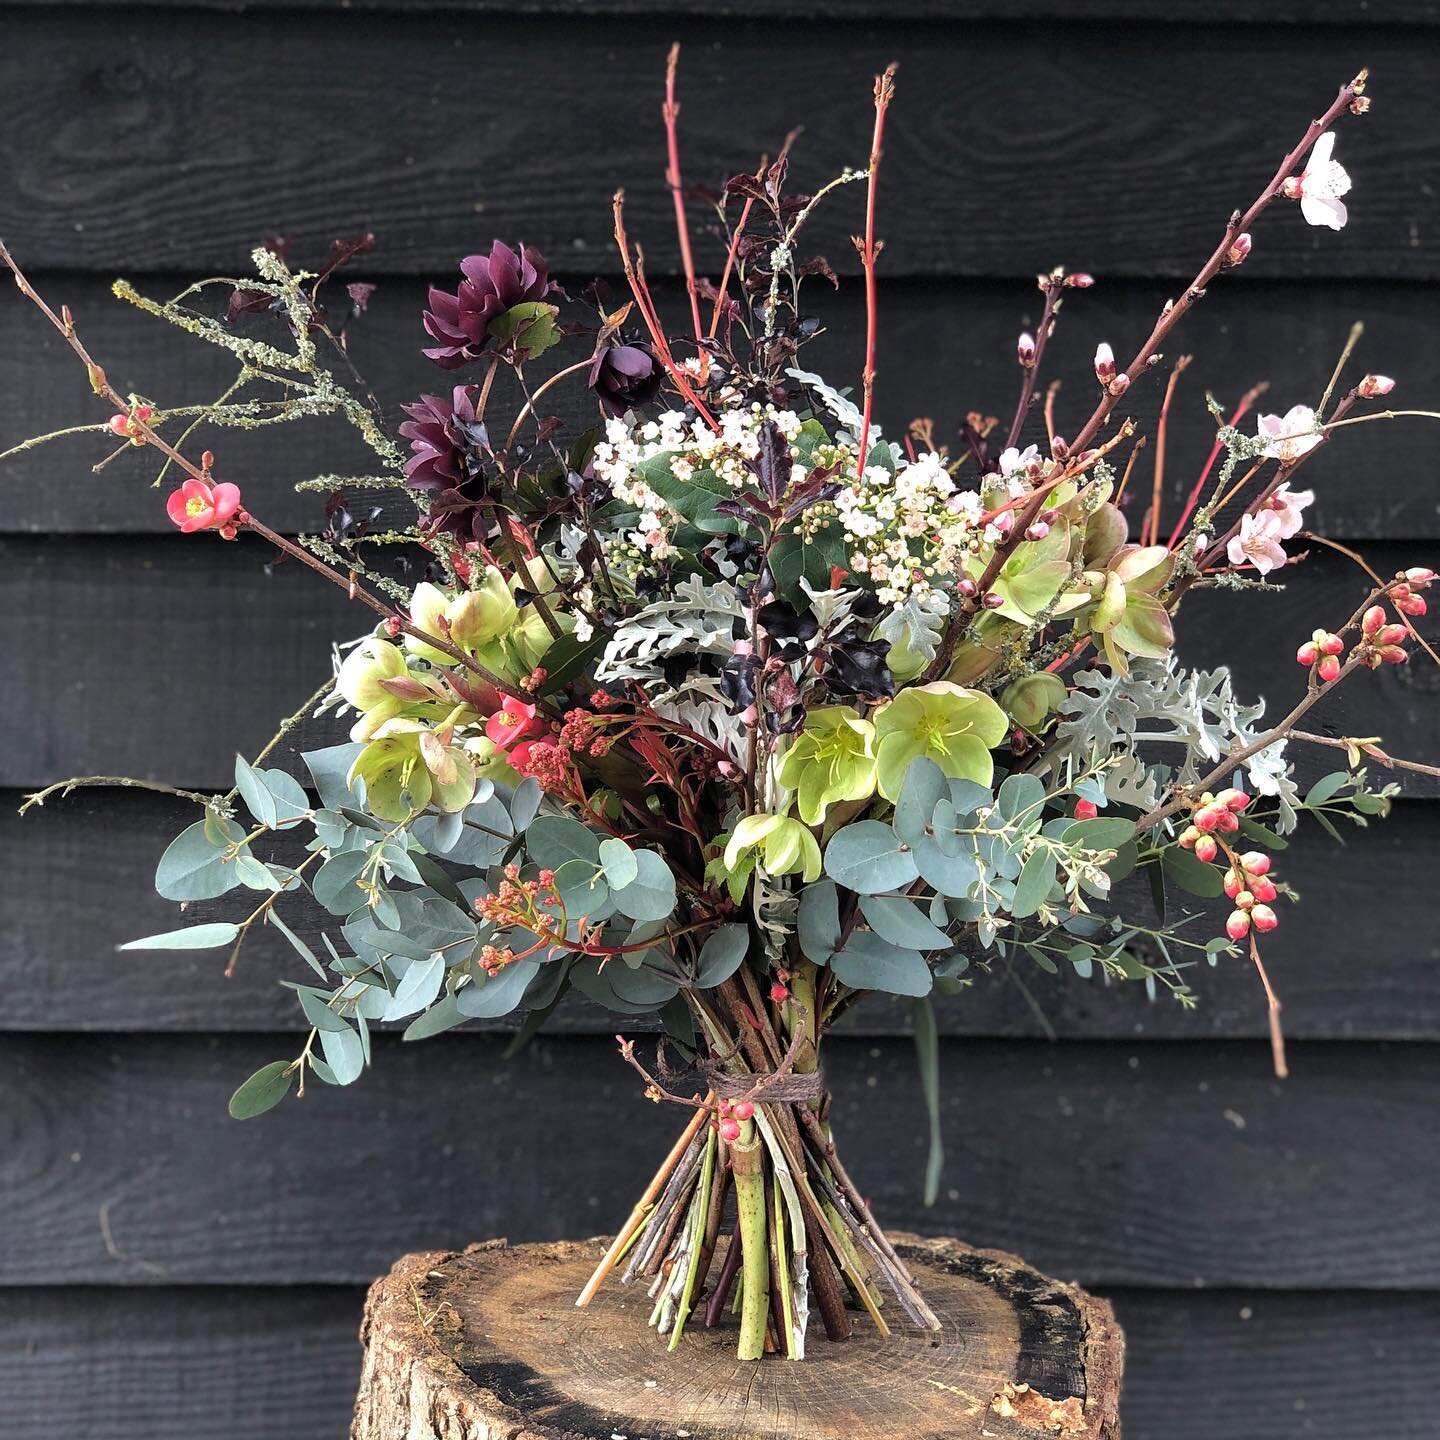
492	284
624	377
448	451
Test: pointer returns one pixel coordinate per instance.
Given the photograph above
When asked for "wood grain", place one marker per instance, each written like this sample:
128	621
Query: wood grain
137	143
489	1342
79	875
946	348
1165	1166
201	1363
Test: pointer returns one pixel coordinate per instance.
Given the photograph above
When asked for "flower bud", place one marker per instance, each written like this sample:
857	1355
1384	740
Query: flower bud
993	600
730	1132
1038	531
1237	927
1104	363
1291	188
1411	605
1329	670
1188	837
968	588
1372	620
1262	889
1419	575
1394	655
1233	883
743	1110
779	993
1263	918
1119	385
1255	862
1206	849
1059	447
1025	350
1207	819
1086	810
1081	281
1237	252
1391	635
1332	645
1308	653
1372	387
1233	799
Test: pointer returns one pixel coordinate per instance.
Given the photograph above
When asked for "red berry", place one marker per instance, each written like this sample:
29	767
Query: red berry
1263	918
1086	810
730	1131
1237	927
779	993
743	1110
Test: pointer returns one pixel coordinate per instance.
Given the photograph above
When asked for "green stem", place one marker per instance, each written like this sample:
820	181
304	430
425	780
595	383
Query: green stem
748	1168
698	1218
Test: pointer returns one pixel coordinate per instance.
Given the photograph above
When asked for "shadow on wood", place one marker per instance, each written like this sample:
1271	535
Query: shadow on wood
488	1344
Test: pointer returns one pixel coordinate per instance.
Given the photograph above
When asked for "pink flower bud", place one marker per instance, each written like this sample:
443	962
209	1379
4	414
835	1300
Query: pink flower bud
1208	819
1059	447
1372	387
1082	281
1332	644
1236	254
1372	620
992	600
1291	188
1411	605
1245	899
1188	837
1233	883
1419	575
1394	655
1228	823
1104	363
1391	635
392	625
743	1110
1025	350
1308	653
1329	671
1263	889
1255	862
1086	810
1119	385
1233	799
968	588
1206	849
1237	927
1038	531
1263	918
730	1132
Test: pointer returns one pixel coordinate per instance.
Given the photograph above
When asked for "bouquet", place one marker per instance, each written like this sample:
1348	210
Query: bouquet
729	709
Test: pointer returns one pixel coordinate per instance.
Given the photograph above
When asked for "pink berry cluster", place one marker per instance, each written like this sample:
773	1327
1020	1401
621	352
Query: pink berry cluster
1214	815
518	901
1247	883
732	1116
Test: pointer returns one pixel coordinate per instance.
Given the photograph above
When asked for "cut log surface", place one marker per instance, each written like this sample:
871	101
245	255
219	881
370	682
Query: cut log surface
489	1345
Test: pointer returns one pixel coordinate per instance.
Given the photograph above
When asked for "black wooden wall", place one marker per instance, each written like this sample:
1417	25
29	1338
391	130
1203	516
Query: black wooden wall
1273	1249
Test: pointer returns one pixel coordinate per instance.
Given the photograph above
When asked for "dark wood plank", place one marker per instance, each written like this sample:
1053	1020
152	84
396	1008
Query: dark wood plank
161	656
211	1364
79	874
1071	144
1185	1165
1232	12
946	348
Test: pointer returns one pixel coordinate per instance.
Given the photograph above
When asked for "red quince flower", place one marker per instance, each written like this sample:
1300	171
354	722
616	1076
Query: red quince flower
515	720
198	506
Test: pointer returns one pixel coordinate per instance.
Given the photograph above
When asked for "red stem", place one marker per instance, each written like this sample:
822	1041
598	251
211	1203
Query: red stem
1241	410
884	93
671	112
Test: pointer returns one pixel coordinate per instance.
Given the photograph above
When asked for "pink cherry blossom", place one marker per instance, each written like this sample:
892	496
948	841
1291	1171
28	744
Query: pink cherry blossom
198	506
1321	184
1291	435
1287	505
1258	542
1015	461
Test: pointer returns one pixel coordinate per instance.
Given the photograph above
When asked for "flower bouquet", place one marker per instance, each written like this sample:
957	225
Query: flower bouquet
728	709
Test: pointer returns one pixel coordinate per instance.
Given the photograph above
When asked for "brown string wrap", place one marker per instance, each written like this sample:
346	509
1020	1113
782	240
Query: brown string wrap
771	1089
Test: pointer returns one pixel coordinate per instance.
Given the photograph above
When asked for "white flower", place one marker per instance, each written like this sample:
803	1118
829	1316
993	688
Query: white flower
1013	461
1321	184
1258	542
1289	436
1286	505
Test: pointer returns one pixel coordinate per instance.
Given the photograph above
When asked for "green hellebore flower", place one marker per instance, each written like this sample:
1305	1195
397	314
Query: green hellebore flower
1031	698
954	727
832	758
407	768
1126	616
783	845
473	619
489	762
362	670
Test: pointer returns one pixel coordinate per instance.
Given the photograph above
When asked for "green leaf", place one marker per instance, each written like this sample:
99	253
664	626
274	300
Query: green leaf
334	883
868	857
922	789
651	895
344	1054
1326	787
193	868
258	800
1020	795
1037	875
317	1012
902	923
254	875
445	1014
500	994
263	1091
529	328
618	860
818	921
328	769
524	803
1266	837
418	986
869	963
951	875
1191	874
433	874
927	1052
551	840
583	890
192	937
721	955
1103	833
569	657
305	952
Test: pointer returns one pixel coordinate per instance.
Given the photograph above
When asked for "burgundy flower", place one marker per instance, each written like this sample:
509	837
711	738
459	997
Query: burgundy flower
449	448
624	377
493	284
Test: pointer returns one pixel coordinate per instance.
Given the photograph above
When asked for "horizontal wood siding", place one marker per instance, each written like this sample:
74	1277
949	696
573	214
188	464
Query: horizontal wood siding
1273	1248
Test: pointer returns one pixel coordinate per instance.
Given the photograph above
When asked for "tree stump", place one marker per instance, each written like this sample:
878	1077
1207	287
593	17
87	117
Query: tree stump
488	1345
